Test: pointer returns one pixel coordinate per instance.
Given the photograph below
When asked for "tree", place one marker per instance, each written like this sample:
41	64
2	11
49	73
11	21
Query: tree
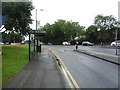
72	30
19	16
58	33
61	31
54	32
91	33
12	37
106	25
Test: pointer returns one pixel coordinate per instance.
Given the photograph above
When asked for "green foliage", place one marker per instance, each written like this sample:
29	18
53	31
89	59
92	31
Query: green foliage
12	37
72	30
19	16
91	33
105	22
103	29
62	30
13	60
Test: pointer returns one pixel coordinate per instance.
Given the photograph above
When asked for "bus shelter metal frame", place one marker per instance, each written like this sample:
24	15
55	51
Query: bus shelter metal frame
36	33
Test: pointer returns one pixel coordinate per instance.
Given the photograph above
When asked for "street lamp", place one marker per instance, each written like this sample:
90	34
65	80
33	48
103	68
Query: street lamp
37	26
36	16
116	40
116	33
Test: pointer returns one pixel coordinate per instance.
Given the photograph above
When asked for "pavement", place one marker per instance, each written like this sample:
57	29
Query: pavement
103	56
107	46
41	72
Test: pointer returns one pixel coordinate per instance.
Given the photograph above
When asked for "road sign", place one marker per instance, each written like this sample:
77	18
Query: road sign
2	20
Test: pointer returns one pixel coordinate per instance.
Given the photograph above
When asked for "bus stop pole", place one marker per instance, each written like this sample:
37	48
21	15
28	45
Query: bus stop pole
29	47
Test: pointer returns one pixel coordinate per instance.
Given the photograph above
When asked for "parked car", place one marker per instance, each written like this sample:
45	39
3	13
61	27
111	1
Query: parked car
1	43
49	43
115	44
66	43
40	43
7	43
86	43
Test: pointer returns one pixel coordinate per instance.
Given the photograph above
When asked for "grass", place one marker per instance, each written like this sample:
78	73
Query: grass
14	58
0	71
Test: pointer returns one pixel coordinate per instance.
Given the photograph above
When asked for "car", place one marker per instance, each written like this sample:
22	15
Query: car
49	43
115	44
87	43
1	43
40	43
66	43
7	43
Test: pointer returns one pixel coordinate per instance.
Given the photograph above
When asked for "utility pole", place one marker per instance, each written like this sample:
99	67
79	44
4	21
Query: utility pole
37	29
116	40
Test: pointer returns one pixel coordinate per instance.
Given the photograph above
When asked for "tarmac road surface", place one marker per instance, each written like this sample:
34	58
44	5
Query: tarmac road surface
88	71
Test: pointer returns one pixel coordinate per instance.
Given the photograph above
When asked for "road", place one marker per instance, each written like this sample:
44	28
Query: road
88	71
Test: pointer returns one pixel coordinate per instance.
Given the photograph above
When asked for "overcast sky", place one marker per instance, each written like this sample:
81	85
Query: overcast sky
82	11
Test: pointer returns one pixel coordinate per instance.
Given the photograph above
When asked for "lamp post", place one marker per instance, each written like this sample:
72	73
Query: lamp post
37	28
116	37
36	16
116	40
36	19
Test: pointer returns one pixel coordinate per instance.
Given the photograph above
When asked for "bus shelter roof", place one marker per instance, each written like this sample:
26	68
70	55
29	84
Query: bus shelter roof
38	32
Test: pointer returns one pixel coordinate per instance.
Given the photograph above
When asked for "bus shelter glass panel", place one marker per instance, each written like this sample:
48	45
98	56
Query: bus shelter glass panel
32	44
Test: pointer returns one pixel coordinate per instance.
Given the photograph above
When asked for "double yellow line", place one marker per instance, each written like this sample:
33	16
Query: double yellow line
71	81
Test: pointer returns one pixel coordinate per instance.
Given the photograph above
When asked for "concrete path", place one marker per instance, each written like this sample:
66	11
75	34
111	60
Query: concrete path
41	72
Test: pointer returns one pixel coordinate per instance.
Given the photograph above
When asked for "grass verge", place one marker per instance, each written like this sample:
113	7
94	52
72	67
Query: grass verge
14	58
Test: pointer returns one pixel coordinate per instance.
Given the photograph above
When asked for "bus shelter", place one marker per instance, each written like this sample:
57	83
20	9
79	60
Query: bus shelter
35	42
